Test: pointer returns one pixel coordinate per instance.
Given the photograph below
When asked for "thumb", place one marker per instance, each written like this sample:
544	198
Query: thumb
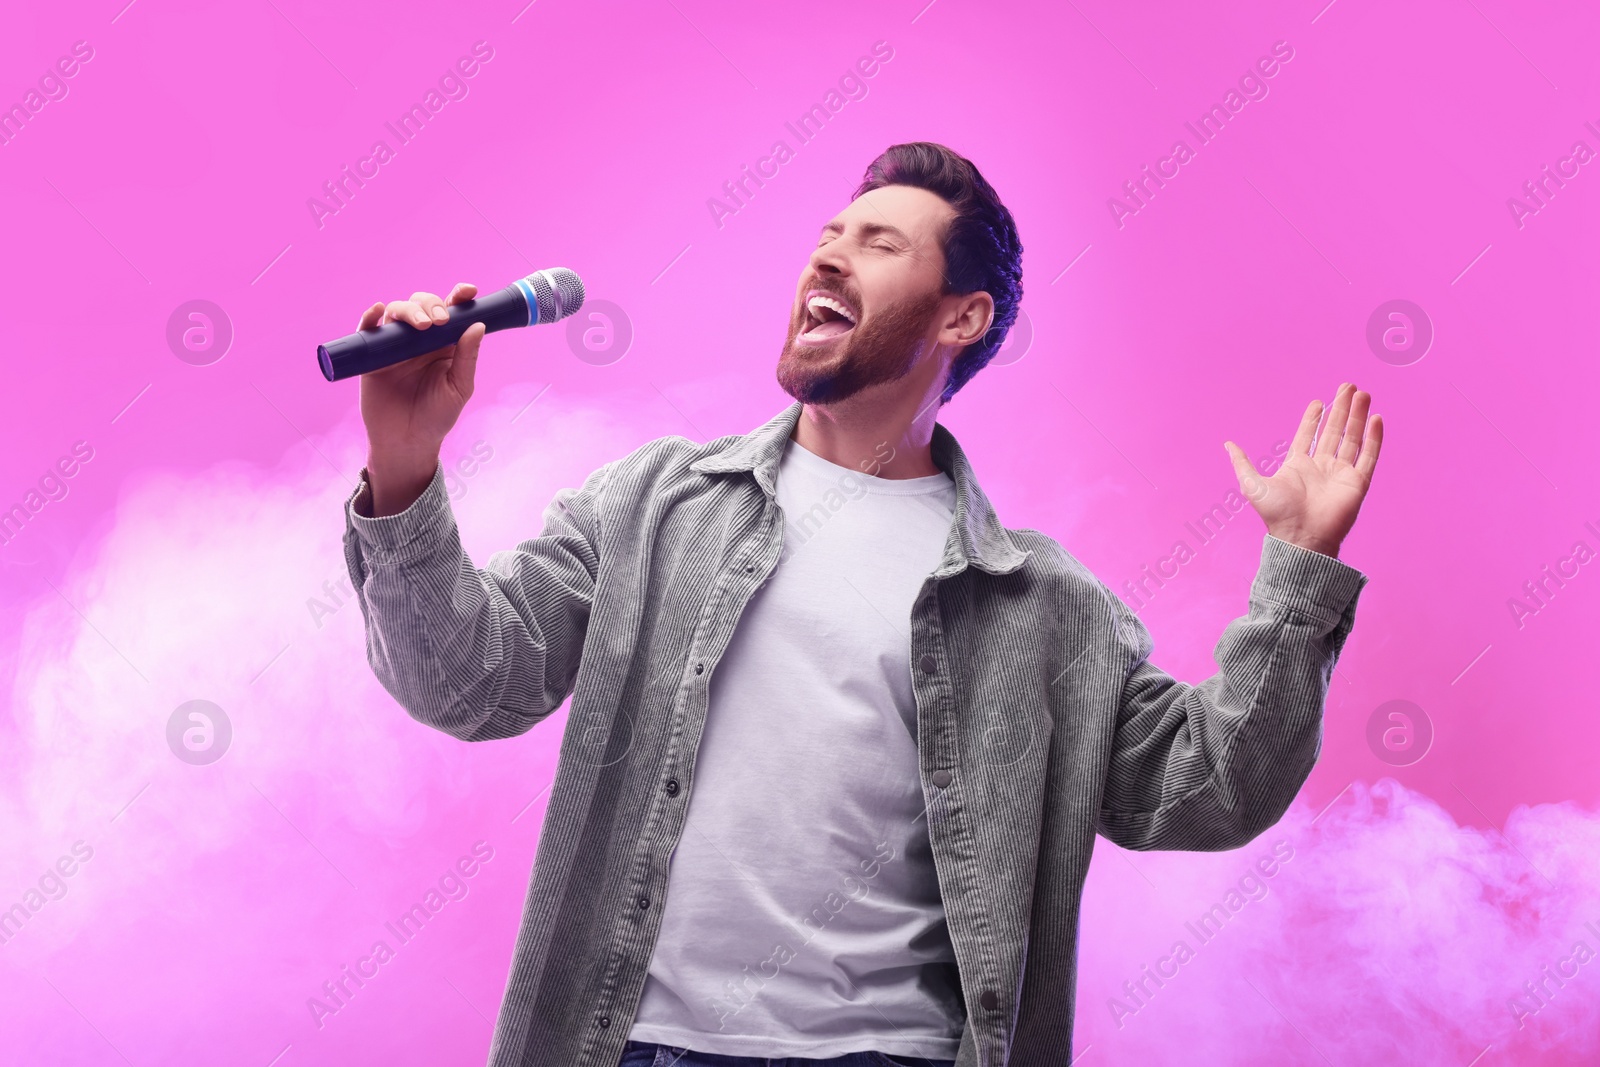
1251	484
464	365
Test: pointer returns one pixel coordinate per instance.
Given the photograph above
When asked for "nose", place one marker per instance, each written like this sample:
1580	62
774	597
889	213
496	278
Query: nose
830	259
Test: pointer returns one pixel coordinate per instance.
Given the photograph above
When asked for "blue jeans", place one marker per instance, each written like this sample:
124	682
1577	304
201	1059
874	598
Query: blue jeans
649	1054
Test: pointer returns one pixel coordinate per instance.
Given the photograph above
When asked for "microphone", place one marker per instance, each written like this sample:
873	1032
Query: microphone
544	296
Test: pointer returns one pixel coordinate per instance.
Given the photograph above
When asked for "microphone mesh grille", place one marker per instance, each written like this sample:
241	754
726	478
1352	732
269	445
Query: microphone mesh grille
559	292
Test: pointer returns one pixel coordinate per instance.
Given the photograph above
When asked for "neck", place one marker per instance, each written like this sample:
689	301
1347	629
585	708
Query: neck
887	437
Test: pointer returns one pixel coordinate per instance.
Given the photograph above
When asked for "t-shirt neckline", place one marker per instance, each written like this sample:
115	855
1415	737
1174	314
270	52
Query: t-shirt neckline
931	483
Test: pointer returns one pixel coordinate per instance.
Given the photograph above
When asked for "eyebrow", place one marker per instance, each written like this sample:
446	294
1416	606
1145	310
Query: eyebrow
870	229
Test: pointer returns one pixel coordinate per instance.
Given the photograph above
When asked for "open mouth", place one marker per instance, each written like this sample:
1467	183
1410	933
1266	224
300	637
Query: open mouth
828	317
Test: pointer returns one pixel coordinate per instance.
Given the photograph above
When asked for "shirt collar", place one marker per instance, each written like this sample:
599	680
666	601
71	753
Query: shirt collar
976	536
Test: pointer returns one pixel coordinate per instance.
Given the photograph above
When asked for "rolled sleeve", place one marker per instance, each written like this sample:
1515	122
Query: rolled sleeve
1209	766
479	653
397	538
1309	582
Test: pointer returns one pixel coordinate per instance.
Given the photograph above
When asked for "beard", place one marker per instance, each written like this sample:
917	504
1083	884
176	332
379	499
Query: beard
883	347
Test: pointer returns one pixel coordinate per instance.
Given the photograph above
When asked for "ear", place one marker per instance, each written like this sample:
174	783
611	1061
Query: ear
967	319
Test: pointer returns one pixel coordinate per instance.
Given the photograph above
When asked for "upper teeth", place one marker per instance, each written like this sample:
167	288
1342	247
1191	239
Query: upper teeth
830	302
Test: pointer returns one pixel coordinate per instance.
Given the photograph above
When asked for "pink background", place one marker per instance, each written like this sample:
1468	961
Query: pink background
187	557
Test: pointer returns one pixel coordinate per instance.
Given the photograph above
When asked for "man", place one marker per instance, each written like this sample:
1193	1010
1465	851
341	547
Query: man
839	742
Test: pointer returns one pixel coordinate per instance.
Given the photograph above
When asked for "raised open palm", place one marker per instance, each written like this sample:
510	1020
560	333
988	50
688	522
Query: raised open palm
1312	500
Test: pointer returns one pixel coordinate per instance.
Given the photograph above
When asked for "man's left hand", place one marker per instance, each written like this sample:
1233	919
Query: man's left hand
1312	500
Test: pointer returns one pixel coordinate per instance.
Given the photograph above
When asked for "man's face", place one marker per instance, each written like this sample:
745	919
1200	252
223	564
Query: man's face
865	305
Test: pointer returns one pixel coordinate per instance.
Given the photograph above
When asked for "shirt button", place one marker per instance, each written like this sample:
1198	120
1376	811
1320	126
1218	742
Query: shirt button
699	668
644	902
605	1020
750	568
928	664
989	1001
672	787
941	778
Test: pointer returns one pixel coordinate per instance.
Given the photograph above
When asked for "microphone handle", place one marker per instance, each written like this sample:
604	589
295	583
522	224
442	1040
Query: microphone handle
395	342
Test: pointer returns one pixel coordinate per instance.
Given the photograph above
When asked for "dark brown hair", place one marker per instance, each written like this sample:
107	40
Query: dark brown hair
982	251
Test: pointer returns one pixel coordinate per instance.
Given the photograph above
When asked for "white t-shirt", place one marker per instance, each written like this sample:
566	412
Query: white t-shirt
803	915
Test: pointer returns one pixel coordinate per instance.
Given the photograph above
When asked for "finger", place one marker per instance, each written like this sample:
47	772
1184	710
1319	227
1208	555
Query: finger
1250	482
1354	427
1371	445
463	292
464	367
370	317
431	306
1333	429
408	312
1308	429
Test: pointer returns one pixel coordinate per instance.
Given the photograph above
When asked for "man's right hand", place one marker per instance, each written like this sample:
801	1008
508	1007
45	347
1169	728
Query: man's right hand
409	407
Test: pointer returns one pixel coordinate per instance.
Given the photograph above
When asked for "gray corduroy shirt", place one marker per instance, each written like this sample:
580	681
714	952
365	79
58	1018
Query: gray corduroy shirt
1040	720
